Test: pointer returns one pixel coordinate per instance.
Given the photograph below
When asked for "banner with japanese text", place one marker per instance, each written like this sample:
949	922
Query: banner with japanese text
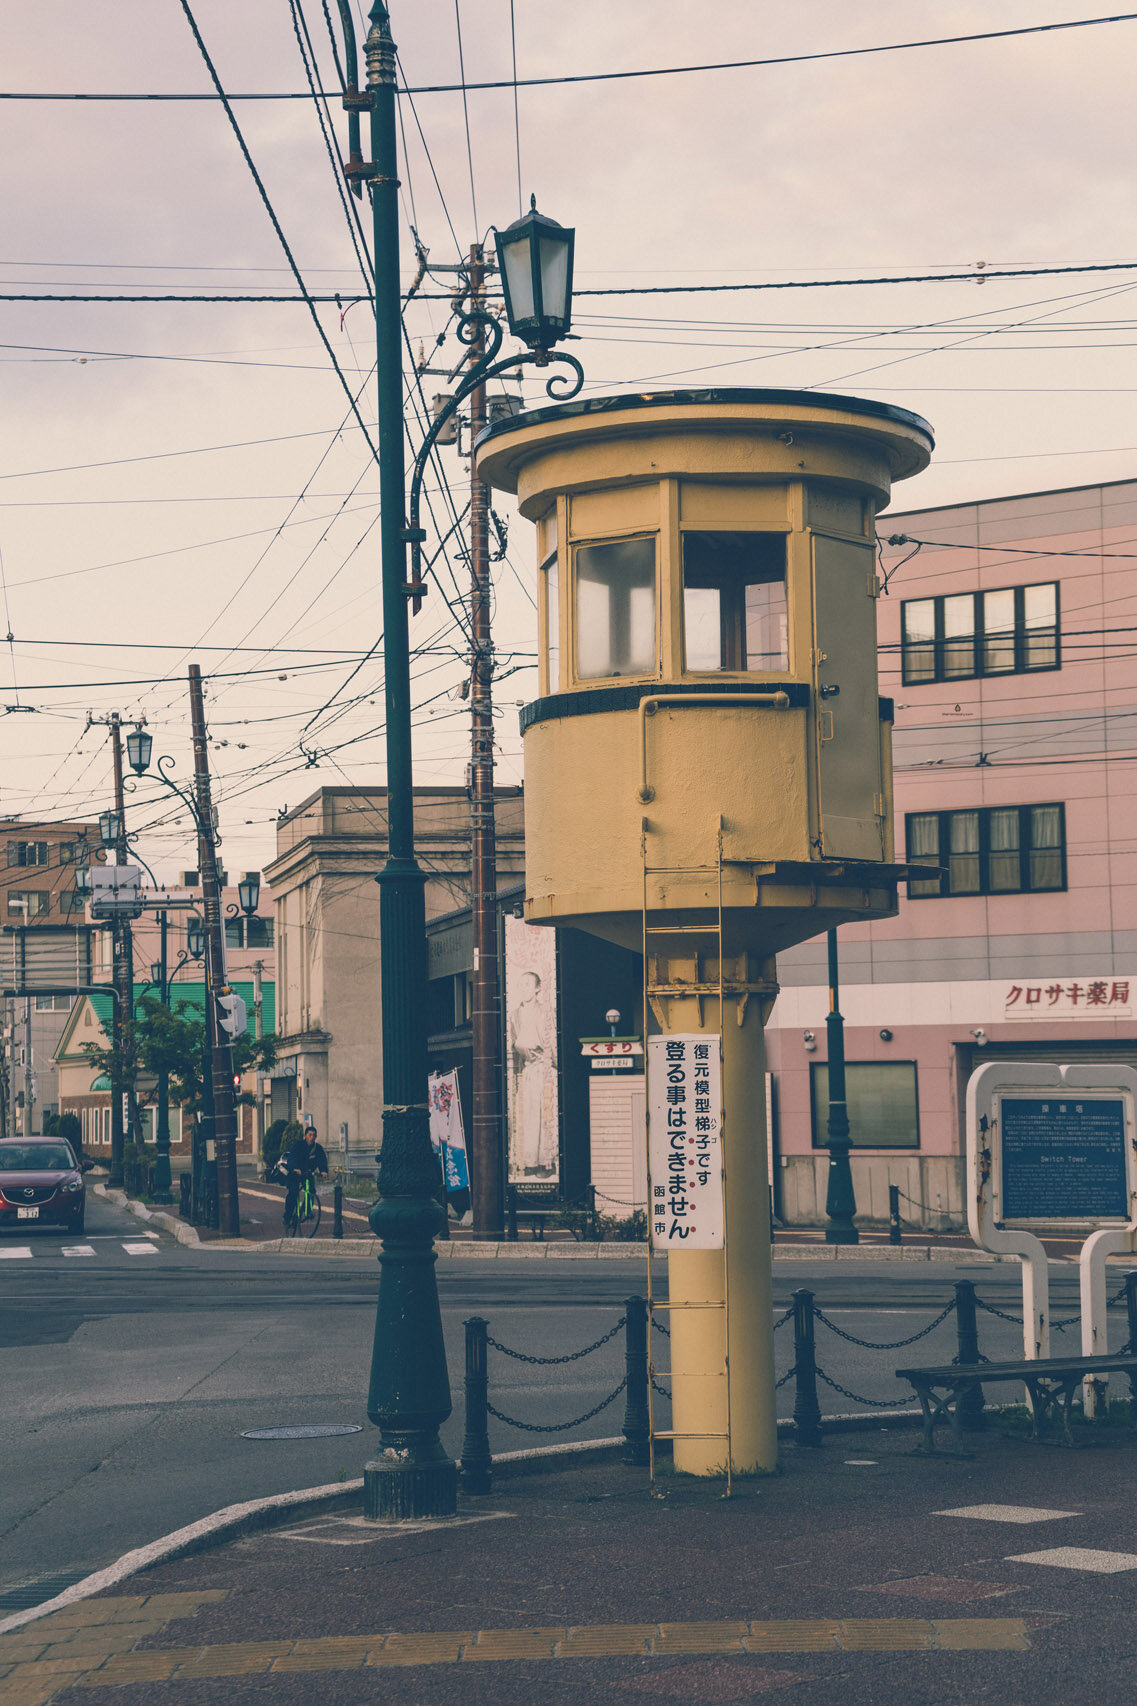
684	1095
446	1130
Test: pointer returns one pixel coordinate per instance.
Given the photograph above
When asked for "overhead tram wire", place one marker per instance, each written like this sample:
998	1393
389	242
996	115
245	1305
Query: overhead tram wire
618	76
276	225
466	114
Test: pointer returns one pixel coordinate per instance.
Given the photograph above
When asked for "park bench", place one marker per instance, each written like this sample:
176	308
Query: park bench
1051	1381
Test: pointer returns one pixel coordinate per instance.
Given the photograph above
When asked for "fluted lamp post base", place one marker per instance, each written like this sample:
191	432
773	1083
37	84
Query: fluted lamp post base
395	1490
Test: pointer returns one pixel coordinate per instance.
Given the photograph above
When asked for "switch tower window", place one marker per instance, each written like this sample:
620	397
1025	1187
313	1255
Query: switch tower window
734	601
615	608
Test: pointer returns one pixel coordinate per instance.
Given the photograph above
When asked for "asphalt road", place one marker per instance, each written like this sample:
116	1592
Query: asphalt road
130	1373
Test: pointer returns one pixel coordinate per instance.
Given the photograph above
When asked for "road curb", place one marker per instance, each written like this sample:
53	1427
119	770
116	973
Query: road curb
168	1222
454	1250
234	1521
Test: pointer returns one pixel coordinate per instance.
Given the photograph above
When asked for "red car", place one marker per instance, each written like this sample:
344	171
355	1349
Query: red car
41	1183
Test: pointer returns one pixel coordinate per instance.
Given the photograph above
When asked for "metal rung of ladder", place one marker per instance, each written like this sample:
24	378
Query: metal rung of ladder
701	1433
680	870
681	930
712	1305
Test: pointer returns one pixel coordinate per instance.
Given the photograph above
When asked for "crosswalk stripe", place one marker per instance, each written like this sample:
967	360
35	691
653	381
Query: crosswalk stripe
77	1250
15	1250
141	1249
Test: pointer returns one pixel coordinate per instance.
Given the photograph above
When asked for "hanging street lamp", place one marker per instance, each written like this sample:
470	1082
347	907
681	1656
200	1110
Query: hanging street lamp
534	256
138	747
249	892
110	828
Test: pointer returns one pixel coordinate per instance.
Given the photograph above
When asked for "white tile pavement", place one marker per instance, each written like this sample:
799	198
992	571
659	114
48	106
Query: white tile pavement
1007	1513
1079	1558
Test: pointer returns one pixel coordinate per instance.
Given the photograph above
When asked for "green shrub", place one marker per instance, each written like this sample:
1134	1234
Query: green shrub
273	1142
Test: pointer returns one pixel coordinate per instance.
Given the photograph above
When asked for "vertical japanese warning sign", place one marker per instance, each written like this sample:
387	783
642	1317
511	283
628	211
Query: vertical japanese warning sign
684	1088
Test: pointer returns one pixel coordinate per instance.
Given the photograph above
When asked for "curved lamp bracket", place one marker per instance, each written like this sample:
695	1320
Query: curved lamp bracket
559	386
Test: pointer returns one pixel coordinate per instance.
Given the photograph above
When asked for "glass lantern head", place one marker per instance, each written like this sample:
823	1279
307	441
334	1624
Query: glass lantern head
195	937
110	828
138	748
249	892
534	256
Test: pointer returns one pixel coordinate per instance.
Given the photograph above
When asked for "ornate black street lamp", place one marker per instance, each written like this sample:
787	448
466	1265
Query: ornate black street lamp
409	1395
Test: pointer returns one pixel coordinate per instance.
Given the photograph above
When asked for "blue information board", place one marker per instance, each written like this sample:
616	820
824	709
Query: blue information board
1063	1159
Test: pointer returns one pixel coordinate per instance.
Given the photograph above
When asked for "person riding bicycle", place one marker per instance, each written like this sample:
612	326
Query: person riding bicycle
305	1160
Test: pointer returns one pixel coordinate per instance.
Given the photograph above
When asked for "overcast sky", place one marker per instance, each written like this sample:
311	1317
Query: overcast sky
173	475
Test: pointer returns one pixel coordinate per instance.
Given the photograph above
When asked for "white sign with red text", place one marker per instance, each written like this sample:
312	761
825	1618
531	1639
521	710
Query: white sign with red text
684	1101
1068	998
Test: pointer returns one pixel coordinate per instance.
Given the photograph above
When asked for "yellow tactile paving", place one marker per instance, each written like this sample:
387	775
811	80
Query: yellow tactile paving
102	1650
793	1635
515	1643
981	1634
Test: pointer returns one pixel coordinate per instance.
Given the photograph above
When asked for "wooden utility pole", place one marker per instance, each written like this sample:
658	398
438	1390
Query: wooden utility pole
487	1159
219	1047
122	967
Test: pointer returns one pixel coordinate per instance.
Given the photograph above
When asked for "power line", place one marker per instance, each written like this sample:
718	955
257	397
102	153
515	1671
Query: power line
276	225
972	276
619	76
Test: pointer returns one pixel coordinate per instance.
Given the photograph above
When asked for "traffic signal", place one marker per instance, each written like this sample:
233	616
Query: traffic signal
232	1015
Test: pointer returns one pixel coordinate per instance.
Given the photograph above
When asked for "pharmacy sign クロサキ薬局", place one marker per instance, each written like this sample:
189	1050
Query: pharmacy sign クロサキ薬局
1068	998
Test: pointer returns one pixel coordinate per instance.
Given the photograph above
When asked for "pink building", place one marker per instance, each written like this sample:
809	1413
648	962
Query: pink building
1008	642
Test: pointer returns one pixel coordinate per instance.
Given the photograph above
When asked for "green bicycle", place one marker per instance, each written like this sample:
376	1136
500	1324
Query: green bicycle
306	1220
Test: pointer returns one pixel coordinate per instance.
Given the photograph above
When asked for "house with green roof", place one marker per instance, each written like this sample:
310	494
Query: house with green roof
86	1093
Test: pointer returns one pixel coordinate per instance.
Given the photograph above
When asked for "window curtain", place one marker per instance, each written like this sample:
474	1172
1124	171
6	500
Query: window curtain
1046	847
1005	869
963	861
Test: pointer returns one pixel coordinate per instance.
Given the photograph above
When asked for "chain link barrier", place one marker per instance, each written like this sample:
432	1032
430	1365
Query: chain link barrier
1059	1323
557	1427
788	1375
545	1362
882	1344
782	1319
873	1403
662	1390
660	1328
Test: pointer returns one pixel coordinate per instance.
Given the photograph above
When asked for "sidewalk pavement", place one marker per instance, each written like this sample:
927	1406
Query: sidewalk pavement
861	1572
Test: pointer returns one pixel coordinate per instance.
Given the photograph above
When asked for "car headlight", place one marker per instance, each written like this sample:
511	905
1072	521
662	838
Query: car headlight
72	1184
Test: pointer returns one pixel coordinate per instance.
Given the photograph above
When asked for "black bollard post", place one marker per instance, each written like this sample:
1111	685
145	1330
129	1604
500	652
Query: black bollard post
807	1411
970	1405
894	1233
477	1464
337	1211
1131	1314
636	1329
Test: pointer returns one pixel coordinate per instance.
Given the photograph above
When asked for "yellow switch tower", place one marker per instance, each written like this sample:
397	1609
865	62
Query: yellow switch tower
708	767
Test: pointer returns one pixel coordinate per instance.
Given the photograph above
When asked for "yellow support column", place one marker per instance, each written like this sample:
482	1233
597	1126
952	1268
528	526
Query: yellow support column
736	1279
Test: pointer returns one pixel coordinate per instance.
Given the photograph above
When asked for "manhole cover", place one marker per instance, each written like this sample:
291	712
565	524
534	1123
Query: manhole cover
314	1430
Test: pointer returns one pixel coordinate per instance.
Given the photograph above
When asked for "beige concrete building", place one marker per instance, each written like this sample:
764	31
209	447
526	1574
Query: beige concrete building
322	880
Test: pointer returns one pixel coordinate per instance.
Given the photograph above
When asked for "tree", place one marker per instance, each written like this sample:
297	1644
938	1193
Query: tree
173	1040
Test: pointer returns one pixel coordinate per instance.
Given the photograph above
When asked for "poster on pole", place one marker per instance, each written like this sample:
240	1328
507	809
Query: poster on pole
684	1096
532	1102
446	1131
